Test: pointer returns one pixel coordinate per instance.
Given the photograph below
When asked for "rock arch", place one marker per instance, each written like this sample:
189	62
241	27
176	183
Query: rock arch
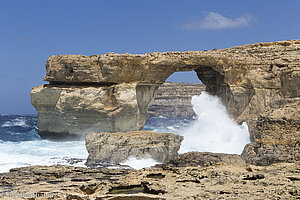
112	92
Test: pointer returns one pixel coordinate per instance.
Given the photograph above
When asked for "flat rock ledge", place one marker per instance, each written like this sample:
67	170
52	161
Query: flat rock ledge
117	147
219	181
205	159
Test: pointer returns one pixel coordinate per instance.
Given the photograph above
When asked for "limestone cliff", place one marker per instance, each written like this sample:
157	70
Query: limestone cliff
174	100
252	80
70	112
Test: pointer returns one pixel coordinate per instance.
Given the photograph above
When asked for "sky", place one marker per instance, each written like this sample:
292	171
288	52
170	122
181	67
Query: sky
33	30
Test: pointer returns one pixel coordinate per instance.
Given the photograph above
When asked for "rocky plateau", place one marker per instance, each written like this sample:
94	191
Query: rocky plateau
203	180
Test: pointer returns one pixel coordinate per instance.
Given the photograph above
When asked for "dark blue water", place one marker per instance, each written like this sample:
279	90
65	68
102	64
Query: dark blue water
18	128
20	144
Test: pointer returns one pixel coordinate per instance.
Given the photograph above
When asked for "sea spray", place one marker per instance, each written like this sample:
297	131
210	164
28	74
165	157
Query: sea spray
41	152
139	163
214	130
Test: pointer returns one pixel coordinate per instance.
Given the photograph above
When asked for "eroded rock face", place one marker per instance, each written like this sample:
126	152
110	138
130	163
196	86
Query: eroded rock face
117	147
205	159
276	135
267	154
254	81
220	181
174	100
70	112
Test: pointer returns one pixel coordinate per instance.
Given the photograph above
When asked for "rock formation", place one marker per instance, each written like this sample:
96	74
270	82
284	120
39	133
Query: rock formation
174	100
217	181
204	159
70	112
258	83
117	147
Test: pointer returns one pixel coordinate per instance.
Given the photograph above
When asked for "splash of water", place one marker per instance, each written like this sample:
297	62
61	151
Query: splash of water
214	130
16	122
139	163
41	152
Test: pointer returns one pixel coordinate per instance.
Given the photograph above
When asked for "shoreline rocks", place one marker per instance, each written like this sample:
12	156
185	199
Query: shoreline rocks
218	181
119	146
205	159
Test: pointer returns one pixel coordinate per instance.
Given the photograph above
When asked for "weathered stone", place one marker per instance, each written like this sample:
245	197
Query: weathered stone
267	154
117	147
174	100
278	181
206	159
70	112
276	135
280	125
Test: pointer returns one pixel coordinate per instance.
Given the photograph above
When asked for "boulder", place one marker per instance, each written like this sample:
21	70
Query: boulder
117	147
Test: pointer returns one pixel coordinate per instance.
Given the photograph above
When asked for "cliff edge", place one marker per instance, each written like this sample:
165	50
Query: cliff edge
174	100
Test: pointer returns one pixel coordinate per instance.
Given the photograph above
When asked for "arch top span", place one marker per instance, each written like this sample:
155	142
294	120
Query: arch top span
156	67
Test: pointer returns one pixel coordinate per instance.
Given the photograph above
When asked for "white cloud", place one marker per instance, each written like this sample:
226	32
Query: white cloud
215	21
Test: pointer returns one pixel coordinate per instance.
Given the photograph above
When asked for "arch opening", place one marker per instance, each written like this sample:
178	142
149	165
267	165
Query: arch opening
212	129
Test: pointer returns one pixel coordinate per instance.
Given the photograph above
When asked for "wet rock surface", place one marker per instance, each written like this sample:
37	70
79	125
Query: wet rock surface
217	181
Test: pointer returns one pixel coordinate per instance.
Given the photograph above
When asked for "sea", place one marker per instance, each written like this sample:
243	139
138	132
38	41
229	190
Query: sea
211	130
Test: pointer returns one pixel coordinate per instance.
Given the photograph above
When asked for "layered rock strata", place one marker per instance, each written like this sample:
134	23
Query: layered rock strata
119	146
276	135
174	100
252	80
71	111
204	159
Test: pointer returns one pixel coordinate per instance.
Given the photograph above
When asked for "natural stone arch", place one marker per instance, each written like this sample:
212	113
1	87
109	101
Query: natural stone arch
111	92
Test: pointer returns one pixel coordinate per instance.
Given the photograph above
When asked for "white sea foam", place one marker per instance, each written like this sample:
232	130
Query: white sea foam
40	152
15	122
160	116
139	163
214	130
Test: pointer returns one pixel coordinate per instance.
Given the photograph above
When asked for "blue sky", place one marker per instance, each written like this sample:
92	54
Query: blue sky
31	31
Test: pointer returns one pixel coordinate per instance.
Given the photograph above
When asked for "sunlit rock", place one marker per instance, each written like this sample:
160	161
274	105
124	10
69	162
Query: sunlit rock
119	146
252	80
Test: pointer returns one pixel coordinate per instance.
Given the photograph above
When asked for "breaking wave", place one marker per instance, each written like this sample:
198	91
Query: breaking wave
211	131
214	130
139	163
15	122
